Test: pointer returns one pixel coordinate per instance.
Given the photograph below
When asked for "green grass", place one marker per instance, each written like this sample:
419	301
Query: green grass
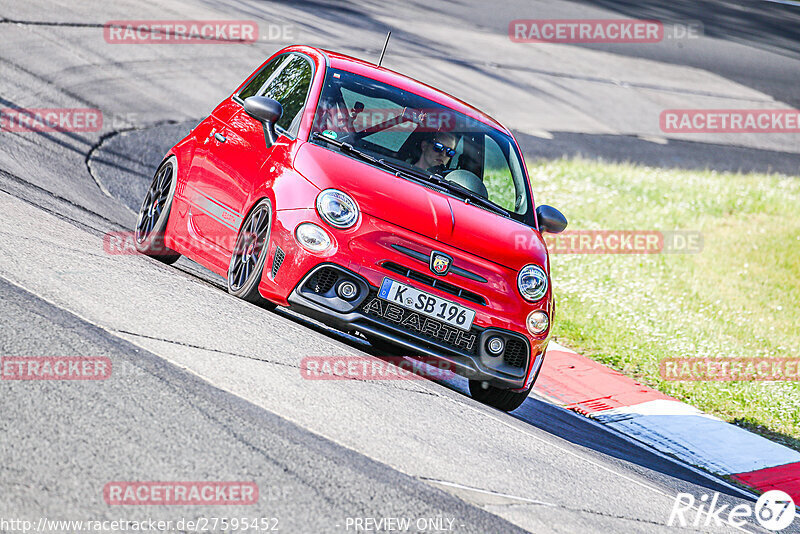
739	297
500	188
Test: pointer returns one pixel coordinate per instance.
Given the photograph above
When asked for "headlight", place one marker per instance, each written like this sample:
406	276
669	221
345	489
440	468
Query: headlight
312	237
537	322
532	283
337	208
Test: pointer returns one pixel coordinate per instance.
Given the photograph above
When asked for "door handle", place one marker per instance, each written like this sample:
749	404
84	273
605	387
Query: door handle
219	137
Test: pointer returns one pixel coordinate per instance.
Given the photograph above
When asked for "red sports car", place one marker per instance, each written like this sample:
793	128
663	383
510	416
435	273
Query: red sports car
372	202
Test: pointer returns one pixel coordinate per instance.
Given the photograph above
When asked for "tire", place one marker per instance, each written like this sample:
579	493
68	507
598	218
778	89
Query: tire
385	347
250	254
154	214
503	399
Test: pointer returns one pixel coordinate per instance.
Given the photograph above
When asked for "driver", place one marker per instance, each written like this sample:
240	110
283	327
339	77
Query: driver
437	151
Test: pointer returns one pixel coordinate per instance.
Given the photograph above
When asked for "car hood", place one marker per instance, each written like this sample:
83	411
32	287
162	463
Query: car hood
421	210
495	238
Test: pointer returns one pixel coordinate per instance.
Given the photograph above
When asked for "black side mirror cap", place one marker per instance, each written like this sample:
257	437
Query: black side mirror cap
550	219
266	110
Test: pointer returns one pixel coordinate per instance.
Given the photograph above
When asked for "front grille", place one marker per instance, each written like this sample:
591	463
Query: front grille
277	261
424	327
322	281
432	281
515	353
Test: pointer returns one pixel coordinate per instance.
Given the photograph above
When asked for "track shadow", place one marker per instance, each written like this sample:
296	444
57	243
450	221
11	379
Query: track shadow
770	26
756	25
675	154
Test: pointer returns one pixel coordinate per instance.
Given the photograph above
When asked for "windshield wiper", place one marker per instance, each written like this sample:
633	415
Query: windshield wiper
427	178
345	147
471	196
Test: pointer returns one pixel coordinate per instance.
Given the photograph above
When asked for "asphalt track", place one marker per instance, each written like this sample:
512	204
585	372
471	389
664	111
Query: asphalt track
206	387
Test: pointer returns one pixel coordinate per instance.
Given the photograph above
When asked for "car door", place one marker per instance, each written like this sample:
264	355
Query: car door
200	189
239	159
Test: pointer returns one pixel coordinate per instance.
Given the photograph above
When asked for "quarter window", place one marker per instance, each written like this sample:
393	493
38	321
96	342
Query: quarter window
260	79
288	82
502	181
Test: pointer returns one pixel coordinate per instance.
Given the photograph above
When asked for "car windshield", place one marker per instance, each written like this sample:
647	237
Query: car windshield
409	131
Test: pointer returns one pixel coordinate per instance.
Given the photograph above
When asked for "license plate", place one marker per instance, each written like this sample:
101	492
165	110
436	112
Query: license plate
426	304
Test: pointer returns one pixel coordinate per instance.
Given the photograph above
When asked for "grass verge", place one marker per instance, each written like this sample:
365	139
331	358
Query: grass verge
738	297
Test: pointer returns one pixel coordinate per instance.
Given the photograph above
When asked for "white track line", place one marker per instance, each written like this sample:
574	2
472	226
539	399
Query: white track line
793	3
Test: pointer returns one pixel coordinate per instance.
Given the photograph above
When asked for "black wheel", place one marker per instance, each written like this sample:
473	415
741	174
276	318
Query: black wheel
154	214
502	399
250	254
386	347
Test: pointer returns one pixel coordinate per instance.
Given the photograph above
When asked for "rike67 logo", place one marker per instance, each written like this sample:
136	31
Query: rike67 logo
774	510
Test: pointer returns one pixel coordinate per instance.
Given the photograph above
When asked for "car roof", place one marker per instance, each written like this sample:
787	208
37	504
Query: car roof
382	74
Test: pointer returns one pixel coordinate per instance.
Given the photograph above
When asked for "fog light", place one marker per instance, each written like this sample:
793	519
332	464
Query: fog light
347	290
312	237
537	322
495	345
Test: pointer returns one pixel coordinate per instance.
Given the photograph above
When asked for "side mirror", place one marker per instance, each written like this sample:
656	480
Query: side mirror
550	220
267	111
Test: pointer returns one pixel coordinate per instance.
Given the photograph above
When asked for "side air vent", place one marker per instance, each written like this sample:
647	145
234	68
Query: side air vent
277	261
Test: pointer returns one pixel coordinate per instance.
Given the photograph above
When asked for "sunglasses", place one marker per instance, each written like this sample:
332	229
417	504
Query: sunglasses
439	147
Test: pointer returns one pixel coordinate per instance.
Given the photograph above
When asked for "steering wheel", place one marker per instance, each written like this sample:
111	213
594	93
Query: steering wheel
468	180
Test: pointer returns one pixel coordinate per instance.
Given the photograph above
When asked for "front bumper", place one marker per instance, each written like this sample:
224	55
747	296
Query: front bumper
375	249
316	296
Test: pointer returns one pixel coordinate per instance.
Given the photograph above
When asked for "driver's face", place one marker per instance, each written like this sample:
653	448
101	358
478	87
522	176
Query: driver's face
436	151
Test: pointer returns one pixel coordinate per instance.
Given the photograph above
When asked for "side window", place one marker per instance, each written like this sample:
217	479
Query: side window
290	87
287	79
519	184
497	176
261	78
